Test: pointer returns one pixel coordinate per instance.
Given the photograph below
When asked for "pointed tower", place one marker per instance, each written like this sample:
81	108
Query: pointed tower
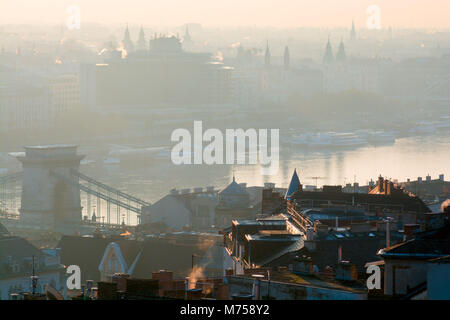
341	56
187	36
294	185
287	58
328	56
267	56
127	43
141	44
353	32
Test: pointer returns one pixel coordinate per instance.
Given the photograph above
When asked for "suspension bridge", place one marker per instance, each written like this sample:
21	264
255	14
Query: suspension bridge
52	192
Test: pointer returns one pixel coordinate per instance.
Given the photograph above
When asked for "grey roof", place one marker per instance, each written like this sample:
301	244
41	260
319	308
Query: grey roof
233	189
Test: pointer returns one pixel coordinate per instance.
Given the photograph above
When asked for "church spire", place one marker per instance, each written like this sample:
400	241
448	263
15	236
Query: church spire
287	58
187	35
328	56
127	43
341	56
267	55
294	185
353	32
141	44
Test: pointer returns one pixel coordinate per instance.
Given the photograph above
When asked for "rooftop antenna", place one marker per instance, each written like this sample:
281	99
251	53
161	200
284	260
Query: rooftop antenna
34	278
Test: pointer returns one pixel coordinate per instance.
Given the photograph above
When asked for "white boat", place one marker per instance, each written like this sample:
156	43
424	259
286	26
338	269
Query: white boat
321	140
87	162
347	140
111	161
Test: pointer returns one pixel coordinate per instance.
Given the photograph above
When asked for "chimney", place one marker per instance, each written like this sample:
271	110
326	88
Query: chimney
388	233
194	294
441	177
310	233
346	271
269	185
257	286
340	254
410	229
121	280
428	178
380	184
89	285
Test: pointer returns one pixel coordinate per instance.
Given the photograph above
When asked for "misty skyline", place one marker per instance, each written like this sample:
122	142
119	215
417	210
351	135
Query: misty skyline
213	13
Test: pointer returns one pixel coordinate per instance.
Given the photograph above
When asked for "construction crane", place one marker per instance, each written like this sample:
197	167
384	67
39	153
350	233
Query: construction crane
317	178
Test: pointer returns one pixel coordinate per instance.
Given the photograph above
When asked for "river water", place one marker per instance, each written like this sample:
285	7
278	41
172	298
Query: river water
409	157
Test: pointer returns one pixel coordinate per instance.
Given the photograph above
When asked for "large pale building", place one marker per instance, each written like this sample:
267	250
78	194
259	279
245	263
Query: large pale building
163	76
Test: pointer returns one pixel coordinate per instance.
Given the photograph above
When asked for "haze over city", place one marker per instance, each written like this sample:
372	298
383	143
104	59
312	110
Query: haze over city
431	14
224	150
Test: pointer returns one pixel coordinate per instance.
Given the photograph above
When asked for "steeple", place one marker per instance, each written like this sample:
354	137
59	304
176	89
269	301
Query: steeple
294	185
187	35
341	56
328	56
353	32
141	44
127	43
286	58
267	56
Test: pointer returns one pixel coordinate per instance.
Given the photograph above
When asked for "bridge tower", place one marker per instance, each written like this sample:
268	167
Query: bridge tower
47	199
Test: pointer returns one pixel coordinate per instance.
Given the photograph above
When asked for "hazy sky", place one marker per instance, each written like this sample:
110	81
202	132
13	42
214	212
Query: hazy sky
277	13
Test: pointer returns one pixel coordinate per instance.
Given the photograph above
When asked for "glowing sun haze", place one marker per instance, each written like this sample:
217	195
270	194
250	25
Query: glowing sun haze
276	13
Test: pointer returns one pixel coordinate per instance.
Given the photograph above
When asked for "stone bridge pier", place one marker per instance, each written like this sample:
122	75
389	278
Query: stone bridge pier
47	199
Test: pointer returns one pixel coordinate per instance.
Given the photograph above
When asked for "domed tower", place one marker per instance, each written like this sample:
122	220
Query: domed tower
234	203
234	195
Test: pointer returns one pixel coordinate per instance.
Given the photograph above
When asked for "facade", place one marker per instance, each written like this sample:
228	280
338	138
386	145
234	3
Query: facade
407	265
64	93
25	107
163	76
